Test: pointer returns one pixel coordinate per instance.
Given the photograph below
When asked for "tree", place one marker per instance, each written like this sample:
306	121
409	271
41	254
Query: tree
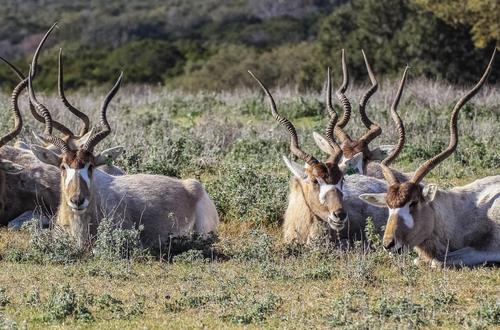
395	33
482	16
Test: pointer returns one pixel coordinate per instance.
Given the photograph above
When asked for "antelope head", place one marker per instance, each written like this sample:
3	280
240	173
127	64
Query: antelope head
411	205
321	183
76	164
356	153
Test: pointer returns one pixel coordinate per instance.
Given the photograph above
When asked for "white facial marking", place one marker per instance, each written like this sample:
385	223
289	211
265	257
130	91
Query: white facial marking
325	188
403	212
72	173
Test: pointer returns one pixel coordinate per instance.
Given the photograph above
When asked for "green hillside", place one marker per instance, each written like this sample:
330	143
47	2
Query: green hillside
207	44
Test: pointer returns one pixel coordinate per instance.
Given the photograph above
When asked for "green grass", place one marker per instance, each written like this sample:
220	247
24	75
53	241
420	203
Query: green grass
248	277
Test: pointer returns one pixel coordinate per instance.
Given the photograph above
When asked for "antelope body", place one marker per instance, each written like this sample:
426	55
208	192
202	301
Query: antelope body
165	206
456	227
36	187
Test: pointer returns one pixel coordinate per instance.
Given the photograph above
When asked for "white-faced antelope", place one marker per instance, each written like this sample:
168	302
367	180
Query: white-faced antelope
319	192
165	206
460	226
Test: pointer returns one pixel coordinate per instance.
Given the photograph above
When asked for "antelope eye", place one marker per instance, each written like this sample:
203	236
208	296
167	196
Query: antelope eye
314	181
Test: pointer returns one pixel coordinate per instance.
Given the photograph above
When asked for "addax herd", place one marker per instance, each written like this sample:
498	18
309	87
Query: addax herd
66	180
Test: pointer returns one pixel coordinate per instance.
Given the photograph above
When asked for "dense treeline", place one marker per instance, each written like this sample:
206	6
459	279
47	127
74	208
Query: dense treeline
210	44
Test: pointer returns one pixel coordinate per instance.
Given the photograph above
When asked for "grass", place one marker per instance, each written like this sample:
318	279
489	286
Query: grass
248	277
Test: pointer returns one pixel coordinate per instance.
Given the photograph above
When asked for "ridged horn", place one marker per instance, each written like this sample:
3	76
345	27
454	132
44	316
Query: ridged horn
105	127
335	157
60	86
374	128
434	161
386	170
47	134
294	141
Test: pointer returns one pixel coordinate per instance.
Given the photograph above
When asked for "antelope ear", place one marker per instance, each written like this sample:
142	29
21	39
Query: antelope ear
377	200
10	167
381	152
295	168
21	145
77	143
356	158
108	155
323	144
429	192
40	139
46	156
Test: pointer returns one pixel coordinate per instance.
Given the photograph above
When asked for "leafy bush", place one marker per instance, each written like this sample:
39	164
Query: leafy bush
116	243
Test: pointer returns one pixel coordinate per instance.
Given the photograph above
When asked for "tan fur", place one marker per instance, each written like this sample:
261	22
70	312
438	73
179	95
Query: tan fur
463	219
302	225
35	188
165	206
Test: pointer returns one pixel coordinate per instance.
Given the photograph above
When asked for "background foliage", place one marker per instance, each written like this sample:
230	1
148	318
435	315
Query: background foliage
210	44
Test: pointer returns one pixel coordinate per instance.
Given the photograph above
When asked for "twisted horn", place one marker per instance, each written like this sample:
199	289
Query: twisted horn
47	134
58	126
386	170
374	128
18	120
105	127
339	131
17	92
434	161
335	157
294	141
83	117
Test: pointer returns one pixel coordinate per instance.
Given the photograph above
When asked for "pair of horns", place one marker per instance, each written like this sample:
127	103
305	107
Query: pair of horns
374	129
50	123
428	165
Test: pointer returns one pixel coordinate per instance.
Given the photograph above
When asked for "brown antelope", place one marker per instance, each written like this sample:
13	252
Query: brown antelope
460	226
164	206
319	192
357	156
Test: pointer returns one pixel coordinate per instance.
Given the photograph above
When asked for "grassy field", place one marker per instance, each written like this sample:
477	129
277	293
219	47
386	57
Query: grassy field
248	277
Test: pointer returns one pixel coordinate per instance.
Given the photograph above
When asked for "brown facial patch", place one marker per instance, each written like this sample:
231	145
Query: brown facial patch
329	172
77	159
400	194
351	148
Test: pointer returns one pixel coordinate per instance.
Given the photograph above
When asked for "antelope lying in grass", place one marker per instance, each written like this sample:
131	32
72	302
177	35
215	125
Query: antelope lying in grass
165	206
456	227
319	192
357	156
37	186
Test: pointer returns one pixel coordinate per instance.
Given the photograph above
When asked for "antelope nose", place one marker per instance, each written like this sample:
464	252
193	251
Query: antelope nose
389	245
341	215
77	201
